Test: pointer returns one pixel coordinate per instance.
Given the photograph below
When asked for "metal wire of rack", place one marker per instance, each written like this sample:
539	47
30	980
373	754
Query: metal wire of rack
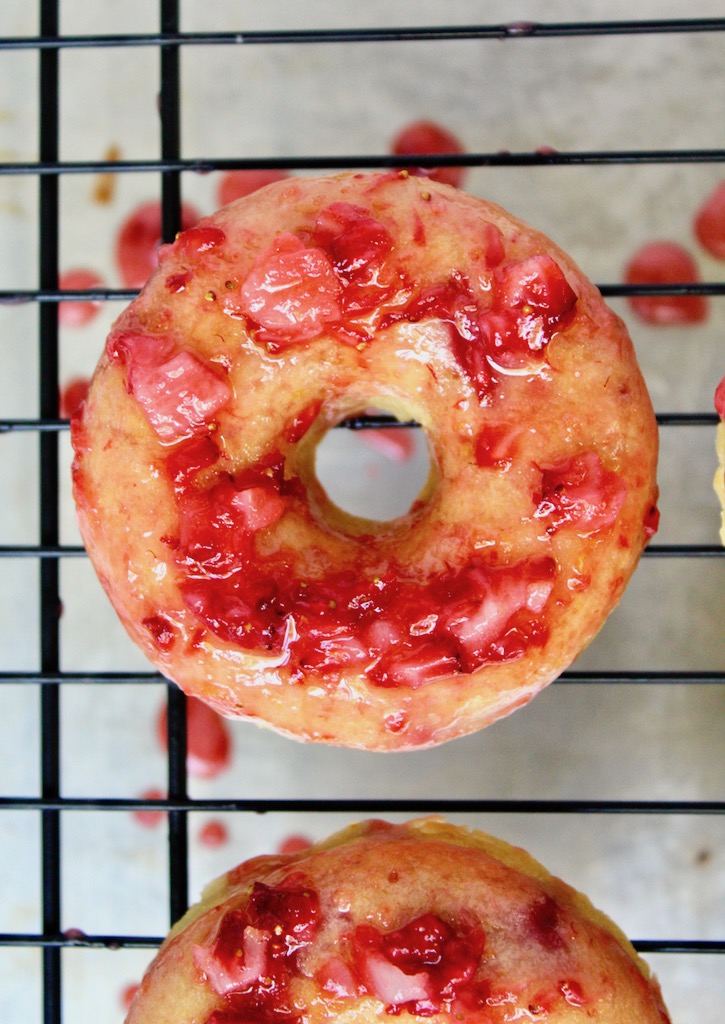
50	677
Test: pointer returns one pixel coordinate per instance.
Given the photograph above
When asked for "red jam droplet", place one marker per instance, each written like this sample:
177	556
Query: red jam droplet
139	240
72	396
78	312
208	743
709	224
427	138
664	262
213	833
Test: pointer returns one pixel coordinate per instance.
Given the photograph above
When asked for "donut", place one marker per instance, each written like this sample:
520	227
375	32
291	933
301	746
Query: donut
290	311
421	921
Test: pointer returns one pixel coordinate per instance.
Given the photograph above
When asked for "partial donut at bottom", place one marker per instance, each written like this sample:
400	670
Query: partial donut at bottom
266	325
424	921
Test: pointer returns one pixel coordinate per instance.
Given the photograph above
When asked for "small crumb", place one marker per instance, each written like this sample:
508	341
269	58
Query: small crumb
703	856
104	189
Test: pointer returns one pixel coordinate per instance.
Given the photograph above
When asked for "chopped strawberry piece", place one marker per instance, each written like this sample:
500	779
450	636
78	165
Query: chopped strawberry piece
258	506
236	184
495	251
426	138
252	958
186	459
208	743
357	245
238	960
139	239
532	301
720	399
709	223
292	292
334	976
581	492
415	664
535	284
77	312
422	966
663	262
651	521
179	396
544	920
481	604
572	992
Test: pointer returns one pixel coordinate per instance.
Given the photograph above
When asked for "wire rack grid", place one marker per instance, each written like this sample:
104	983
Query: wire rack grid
674	810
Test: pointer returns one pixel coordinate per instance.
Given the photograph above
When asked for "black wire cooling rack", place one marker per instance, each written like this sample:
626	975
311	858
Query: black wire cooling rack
48	169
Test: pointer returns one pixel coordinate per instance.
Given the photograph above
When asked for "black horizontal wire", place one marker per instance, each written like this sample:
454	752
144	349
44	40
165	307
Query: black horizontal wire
360	805
431	33
20	296
665	419
204	165
113	942
76	551
591	678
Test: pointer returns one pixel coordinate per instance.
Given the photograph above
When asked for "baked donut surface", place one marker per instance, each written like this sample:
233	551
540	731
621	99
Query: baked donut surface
270	322
425	920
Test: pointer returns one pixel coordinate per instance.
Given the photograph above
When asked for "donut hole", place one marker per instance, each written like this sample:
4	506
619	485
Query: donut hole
374	473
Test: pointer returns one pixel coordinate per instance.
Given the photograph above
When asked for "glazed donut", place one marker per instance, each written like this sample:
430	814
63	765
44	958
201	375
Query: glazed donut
283	314
423	921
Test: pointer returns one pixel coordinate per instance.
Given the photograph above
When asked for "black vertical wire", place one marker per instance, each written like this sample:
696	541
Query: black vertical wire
169	110
48	237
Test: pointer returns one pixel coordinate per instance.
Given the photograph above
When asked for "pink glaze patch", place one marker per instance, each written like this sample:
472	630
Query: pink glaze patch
428	138
139	239
236	184
580	492
78	312
422	967
664	262
208	743
709	223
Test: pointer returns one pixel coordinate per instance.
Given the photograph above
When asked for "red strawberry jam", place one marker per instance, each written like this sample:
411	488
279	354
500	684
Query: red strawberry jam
254	954
422	967
580	492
